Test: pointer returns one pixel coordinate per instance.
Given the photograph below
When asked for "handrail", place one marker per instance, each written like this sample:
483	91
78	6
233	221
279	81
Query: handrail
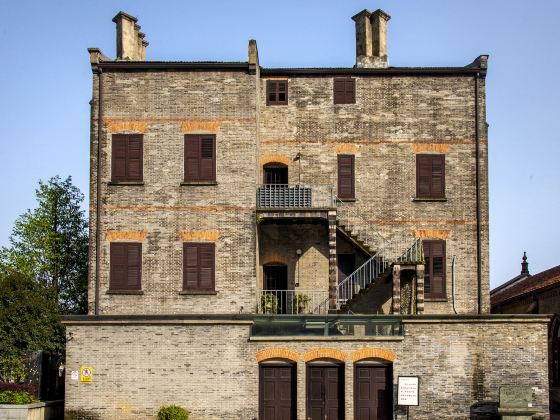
295	196
387	252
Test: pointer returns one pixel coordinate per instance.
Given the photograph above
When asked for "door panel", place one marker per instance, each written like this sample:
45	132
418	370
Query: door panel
325	393
277	393
373	393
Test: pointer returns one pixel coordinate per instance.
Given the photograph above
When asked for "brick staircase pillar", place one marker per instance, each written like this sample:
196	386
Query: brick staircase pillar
396	289
420	289
333	270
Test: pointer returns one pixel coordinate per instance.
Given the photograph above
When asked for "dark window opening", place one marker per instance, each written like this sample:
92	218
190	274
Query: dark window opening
276	92
275	174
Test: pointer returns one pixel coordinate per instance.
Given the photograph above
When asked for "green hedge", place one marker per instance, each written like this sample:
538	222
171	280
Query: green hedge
173	412
15	397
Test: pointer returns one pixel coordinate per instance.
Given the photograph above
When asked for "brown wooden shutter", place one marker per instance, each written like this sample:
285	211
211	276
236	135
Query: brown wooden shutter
430	176
198	266
125	266
200	158
344	90
134	158
346	176
127	157
435	271
118	161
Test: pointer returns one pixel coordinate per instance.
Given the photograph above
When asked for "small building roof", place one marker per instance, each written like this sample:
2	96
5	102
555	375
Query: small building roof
525	284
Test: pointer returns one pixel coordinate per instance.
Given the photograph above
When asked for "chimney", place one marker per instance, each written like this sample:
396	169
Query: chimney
130	41
371	39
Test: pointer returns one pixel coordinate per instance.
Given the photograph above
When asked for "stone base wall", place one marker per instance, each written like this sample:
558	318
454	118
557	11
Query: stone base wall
211	367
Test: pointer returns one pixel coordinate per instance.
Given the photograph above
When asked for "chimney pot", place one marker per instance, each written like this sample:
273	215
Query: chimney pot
130	41
371	39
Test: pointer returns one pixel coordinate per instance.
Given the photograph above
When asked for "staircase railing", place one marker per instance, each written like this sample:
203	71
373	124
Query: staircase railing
387	253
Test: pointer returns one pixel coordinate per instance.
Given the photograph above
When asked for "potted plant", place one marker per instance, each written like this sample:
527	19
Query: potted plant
300	303
269	302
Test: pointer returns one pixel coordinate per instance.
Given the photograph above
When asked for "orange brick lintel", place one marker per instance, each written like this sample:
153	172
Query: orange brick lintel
275	159
277	353
373	353
138	236
324	353
211	236
432	233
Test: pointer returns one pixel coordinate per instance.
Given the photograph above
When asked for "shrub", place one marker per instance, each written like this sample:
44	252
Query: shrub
10	386
173	412
15	397
13	368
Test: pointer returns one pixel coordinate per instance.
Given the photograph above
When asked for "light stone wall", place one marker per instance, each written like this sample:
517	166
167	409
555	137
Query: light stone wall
394	118
212	370
165	106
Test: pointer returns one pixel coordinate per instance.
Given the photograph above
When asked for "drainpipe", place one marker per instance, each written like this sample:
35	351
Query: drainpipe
477	172
453	283
98	191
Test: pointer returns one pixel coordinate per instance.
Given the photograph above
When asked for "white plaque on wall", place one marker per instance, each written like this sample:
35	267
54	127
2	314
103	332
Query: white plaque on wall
408	390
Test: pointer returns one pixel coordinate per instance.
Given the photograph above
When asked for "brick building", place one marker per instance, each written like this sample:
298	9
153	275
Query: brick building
282	243
535	294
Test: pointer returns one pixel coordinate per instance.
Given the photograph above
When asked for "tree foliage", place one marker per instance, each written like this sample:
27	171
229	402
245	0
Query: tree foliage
29	317
50	244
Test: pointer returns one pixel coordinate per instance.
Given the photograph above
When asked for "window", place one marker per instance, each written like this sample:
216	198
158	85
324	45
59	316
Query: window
430	176
127	156
346	176
200	158
198	267
344	90
275	173
277	92
126	266
434	274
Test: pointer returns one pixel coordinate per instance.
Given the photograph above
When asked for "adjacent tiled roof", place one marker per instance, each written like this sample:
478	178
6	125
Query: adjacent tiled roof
529	285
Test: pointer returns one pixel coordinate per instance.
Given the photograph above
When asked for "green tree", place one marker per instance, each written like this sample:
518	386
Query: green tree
50	244
29	317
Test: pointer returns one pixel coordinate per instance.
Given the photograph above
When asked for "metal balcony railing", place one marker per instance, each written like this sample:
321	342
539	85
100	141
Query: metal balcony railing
292	302
295	196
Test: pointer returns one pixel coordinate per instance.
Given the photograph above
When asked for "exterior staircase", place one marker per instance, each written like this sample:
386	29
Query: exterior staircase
384	253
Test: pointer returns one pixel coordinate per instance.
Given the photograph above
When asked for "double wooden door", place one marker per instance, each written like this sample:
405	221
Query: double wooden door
325	393
373	393
277	393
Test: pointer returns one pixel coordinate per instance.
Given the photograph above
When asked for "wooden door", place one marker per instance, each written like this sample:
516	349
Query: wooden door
325	395
277	390
373	393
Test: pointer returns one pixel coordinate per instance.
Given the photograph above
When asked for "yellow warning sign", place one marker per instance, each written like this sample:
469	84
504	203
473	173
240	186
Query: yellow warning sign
86	374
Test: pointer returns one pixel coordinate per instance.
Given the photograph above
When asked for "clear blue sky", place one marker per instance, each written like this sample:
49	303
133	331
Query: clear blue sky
45	86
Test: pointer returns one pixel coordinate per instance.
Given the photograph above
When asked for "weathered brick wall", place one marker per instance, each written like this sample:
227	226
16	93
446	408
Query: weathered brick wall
164	106
394	118
212	370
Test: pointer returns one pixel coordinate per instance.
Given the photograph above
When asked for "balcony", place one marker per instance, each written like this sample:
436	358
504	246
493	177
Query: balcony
276	201
292	302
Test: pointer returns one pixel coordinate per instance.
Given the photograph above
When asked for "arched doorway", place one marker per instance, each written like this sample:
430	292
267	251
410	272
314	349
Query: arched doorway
325	390
373	390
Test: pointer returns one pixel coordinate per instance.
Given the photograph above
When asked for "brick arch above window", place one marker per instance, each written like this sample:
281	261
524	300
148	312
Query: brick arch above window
277	353
373	353
324	353
275	259
274	159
